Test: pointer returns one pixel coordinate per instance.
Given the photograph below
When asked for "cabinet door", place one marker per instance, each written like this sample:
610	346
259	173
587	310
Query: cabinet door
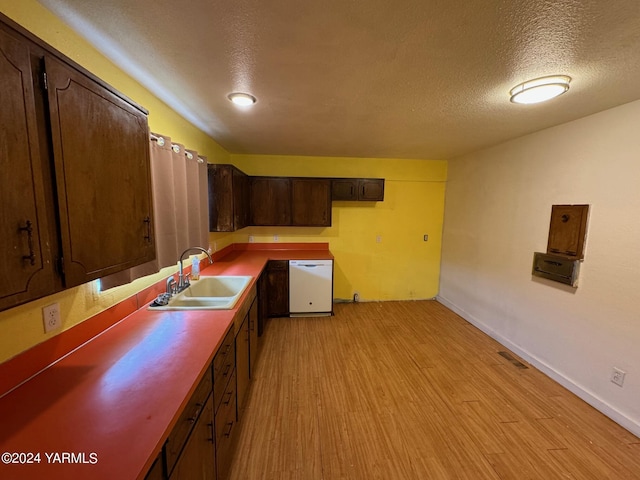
242	361
567	230
156	472
197	460
344	189
371	189
311	202
27	266
270	201
102	175
241	214
225	427
254	346
221	211
278	288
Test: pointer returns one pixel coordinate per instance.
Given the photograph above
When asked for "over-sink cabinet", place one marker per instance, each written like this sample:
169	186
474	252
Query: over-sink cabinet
75	186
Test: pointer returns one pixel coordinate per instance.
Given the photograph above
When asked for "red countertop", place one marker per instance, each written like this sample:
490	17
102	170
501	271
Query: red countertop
105	410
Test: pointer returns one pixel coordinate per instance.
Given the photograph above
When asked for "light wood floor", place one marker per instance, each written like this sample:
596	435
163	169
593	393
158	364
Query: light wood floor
409	390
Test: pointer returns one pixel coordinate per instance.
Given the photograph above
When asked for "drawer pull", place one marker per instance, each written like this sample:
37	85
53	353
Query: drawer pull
229	427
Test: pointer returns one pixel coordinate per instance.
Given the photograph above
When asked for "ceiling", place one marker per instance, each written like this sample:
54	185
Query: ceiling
368	78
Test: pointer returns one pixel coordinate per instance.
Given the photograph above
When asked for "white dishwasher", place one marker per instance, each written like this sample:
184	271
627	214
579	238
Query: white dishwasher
310	287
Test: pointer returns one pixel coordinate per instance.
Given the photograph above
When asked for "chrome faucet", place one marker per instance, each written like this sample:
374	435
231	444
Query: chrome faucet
183	282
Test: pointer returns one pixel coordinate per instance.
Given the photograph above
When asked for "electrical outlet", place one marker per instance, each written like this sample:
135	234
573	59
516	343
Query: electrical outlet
378	238
51	317
275	237
425	237
250	238
356	297
617	376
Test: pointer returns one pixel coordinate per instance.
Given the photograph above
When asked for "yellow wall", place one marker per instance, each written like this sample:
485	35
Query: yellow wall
21	327
402	266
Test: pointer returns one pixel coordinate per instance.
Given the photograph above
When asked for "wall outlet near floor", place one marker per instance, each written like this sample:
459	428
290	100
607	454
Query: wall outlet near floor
425	237
275	237
356	297
250	238
617	376
51	317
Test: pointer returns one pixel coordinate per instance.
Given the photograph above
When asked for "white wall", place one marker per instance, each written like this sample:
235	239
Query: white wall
497	212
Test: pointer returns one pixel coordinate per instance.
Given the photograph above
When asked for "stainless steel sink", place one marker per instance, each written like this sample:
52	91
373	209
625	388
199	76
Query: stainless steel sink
209	293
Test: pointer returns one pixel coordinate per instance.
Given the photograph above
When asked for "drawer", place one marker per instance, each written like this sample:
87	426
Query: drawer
185	423
227	348
224	368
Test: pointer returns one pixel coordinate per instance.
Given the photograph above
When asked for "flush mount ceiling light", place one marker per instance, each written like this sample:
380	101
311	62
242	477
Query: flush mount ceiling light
242	99
540	89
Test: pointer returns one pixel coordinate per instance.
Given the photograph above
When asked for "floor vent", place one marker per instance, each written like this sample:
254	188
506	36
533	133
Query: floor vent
514	361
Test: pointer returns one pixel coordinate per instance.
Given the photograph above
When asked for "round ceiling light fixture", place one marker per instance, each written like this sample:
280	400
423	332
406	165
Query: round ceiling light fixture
242	99
540	89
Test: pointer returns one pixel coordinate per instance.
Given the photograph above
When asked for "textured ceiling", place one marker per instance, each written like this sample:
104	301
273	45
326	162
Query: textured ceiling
368	78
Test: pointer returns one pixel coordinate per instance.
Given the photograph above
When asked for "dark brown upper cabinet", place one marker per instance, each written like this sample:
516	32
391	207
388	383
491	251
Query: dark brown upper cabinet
568	230
228	198
102	174
26	233
311	202
76	187
357	189
270	201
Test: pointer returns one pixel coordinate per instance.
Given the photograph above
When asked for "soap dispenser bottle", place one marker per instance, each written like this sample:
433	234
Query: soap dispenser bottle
195	268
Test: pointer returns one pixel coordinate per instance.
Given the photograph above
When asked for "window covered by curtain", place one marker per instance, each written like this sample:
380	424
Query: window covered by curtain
180	207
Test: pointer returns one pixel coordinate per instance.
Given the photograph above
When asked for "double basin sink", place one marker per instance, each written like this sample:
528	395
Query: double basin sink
208	293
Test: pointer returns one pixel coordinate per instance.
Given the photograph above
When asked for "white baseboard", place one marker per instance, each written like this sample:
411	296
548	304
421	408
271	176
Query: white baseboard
593	400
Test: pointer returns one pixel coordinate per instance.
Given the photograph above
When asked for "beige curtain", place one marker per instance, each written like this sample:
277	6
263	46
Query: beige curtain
180	207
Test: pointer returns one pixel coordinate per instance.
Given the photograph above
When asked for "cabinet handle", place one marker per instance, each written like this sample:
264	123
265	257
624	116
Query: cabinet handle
147	237
229	427
212	439
29	229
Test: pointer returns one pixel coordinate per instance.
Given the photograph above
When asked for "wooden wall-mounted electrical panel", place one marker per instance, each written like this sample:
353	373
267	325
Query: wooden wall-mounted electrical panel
568	230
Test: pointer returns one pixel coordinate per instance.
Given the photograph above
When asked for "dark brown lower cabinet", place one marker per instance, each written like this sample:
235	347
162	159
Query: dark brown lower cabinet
242	361
225	422
254	341
156	472
201	445
197	458
277	280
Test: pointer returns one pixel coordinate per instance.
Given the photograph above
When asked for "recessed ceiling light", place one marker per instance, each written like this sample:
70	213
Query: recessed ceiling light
540	89
242	99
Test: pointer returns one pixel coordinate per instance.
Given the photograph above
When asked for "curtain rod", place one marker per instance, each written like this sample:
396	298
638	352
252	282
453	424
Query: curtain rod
175	147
